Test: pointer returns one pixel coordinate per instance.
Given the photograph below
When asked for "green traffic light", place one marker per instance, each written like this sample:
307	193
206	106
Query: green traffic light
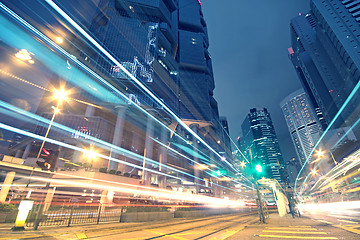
258	168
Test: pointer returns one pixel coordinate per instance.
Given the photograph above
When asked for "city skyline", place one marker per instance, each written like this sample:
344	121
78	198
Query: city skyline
252	68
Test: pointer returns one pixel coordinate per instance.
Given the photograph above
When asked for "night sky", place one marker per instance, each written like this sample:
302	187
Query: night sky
248	45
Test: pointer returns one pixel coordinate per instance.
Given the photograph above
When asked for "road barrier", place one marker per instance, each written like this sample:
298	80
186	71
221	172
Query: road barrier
95	214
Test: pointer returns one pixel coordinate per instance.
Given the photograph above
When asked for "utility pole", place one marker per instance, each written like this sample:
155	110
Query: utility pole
258	170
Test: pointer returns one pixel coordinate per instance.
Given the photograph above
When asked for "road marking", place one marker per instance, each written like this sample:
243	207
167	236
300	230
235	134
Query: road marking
81	235
347	221
32	236
323	221
166	235
274	231
350	228
291	228
301	226
295	237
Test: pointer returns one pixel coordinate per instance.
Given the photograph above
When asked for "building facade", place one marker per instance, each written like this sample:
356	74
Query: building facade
325	50
261	143
303	124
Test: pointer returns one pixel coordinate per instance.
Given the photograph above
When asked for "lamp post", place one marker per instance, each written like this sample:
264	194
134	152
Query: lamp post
60	95
258	170
320	154
90	154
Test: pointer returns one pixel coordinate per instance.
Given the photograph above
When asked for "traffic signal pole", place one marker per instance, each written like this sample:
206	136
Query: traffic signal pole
258	169
260	207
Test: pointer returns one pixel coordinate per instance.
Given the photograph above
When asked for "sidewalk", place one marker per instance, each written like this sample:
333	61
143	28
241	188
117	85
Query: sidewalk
287	227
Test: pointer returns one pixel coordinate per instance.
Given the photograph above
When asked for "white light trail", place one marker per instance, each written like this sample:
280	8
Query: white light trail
117	63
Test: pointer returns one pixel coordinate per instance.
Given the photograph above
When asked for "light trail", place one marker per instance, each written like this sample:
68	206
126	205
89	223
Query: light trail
32	135
149	192
348	99
116	149
340	208
43	88
117	63
346	165
72	58
121	151
78	63
212	173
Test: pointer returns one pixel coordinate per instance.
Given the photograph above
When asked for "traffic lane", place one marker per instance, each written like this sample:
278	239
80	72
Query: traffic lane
217	228
112	229
349	226
334	218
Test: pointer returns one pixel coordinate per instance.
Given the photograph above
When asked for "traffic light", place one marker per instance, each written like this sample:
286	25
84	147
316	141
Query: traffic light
220	172
50	157
258	168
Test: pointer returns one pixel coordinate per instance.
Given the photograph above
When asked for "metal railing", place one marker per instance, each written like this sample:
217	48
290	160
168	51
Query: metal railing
75	214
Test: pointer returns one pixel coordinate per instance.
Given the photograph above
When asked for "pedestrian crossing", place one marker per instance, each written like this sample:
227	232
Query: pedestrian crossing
348	225
294	232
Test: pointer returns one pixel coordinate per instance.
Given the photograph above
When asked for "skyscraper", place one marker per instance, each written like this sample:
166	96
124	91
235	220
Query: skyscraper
163	44
302	122
261	143
196	75
325	50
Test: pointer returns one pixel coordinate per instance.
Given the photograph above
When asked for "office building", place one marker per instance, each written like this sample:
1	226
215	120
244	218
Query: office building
303	124
261	143
325	49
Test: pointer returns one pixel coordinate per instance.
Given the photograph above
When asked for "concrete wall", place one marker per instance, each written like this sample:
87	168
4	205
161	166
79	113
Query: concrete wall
157	216
145	216
205	213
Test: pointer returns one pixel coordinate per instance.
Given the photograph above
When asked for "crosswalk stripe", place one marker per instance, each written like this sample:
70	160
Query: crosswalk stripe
274	231
81	235
347	221
296	237
349	228
324	221
291	228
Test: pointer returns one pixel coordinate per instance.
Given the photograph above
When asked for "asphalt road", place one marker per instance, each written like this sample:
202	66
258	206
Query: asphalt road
215	227
229	227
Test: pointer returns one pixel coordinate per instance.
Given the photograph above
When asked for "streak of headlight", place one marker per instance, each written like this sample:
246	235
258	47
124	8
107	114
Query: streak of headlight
347	164
105	52
32	135
42	88
232	141
353	92
347	132
182	155
98	77
116	149
6	127
341	207
69	56
151	192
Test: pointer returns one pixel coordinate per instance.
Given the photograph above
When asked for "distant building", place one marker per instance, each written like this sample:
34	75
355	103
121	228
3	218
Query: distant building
302	122
261	143
325	52
225	137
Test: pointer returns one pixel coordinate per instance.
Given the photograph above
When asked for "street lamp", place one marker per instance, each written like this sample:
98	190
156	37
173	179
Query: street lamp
60	95
242	164
320	154
90	154
59	40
